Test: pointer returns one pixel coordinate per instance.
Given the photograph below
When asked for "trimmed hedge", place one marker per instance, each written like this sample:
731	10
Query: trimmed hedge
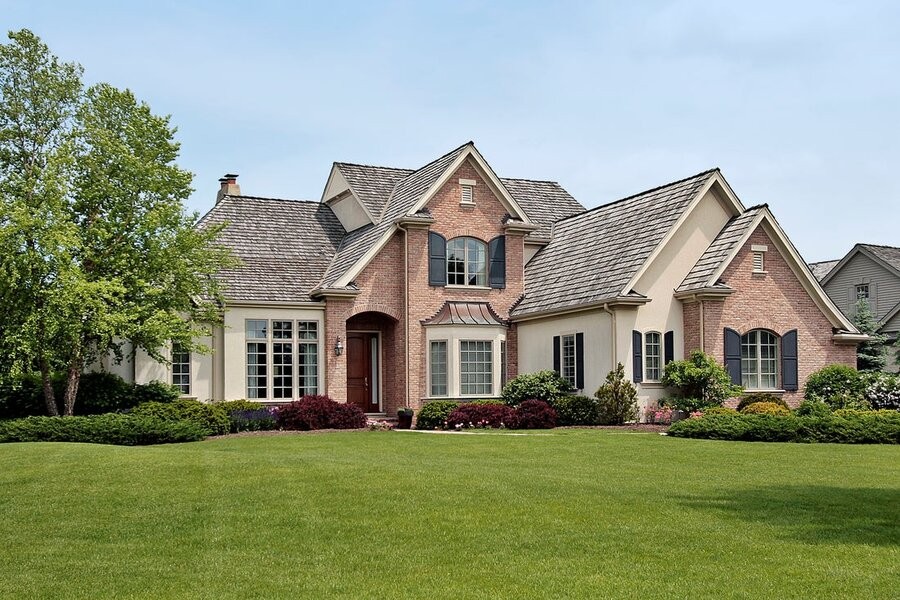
765	408
851	427
211	418
576	410
434	414
319	412
118	429
760	397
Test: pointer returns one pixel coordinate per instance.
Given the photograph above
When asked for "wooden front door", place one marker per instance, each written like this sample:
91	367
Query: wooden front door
362	370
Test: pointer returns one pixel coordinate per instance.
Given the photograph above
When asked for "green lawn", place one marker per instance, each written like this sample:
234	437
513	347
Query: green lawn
578	513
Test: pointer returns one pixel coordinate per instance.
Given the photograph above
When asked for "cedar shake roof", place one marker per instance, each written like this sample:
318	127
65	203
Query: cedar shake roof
545	202
372	185
888	254
593	255
284	246
719	251
822	268
465	313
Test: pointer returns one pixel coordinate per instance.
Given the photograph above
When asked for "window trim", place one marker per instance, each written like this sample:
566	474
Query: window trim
453	334
446	344
466	274
175	351
268	342
490	363
867	289
562	358
658	356
758	361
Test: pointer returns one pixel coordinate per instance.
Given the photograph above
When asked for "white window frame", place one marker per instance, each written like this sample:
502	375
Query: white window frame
492	384
568	371
657	357
295	340
468	274
752	378
182	369
453	335
431	372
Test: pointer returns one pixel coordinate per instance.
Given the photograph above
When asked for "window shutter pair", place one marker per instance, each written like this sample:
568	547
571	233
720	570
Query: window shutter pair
637	353
579	358
437	261
789	378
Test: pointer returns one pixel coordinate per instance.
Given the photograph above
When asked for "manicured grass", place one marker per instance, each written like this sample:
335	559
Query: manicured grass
567	514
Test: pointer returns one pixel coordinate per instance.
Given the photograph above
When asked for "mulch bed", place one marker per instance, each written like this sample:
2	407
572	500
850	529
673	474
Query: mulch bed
632	428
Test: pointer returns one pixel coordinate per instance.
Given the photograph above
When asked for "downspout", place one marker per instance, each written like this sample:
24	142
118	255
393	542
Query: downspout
613	344
702	328
406	306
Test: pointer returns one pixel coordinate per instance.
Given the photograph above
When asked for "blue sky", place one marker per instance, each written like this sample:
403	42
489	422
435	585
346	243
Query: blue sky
797	102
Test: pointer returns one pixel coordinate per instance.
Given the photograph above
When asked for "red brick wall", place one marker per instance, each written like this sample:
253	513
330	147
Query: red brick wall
382	290
774	300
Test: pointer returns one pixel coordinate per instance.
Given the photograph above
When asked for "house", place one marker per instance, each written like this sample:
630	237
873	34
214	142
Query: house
401	286
868	272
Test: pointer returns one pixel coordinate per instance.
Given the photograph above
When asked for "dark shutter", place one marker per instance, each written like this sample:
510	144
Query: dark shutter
579	361
637	358
733	355
556	351
668	347
497	254
437	259
789	380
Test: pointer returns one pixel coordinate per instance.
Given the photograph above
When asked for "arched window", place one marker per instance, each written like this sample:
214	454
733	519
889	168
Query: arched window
466	262
759	360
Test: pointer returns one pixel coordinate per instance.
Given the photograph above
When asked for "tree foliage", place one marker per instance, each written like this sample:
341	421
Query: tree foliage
700	377
616	398
870	354
93	231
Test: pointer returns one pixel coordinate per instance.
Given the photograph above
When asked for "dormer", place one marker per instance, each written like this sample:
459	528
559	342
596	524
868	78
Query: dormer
344	202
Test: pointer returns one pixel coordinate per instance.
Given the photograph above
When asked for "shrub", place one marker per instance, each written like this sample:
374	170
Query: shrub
873	427
482	416
119	429
155	391
576	410
534	414
209	417
813	408
543	385
434	414
100	393
486	402
760	397
836	385
261	419
319	412
616	399
765	408
882	390
688	405
719	410
700	376
230	406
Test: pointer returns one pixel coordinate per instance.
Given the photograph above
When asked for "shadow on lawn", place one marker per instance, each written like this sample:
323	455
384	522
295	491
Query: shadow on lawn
813	514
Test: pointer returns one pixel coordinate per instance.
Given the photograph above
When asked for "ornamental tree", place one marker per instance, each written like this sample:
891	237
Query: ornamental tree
95	242
869	354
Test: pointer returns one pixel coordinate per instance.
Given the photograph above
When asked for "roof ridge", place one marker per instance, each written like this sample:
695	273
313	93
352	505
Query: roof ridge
269	198
633	196
353	164
821	262
531	180
756	206
879	246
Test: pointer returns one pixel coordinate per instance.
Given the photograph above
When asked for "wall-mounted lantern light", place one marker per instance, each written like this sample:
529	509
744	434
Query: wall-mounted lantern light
339	347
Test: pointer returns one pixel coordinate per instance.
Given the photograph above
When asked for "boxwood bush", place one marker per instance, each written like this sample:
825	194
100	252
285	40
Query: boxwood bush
859	427
760	397
119	429
434	414
211	418
543	385
574	410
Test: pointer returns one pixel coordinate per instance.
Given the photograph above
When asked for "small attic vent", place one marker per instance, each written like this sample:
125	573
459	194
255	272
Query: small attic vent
467	195
759	263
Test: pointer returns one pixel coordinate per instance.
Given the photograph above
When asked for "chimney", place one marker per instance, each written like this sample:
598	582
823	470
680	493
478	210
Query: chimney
228	186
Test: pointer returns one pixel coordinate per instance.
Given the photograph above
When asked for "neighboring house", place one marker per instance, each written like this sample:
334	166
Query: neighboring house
403	286
868	272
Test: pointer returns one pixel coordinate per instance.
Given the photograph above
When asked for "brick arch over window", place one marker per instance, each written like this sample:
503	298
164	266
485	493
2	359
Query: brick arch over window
456	232
375	307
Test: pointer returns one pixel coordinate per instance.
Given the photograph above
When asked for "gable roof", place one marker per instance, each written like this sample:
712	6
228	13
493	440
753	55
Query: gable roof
594	255
822	268
887	256
372	185
721	248
545	202
285	246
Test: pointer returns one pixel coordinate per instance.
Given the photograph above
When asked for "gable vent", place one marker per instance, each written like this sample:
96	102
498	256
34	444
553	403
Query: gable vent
467	195
759	262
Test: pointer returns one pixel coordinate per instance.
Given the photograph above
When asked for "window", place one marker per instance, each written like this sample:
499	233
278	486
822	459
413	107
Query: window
292	350
862	292
466	262
759	360
567	367
652	356
476	366
439	368
181	369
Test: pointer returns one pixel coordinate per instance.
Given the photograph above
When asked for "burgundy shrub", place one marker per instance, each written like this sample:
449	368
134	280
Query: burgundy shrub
319	412
535	414
482	415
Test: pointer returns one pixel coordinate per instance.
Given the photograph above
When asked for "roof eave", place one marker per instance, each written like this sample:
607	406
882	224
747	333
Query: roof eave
704	293
615	302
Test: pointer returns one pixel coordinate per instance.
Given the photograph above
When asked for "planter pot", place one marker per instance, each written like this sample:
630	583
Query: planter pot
404	421
678	415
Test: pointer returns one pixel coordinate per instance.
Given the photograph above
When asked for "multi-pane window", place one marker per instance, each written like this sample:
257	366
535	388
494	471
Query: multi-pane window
568	368
652	356
439	368
466	262
181	369
862	292
759	360
292	350
308	350
476	367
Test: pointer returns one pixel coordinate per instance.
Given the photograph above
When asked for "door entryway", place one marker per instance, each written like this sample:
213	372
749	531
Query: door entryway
363	370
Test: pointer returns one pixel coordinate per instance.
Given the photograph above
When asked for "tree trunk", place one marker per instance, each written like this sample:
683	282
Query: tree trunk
47	383
73	378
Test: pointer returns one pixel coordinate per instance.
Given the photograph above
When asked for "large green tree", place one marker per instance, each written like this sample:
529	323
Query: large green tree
94	236
870	354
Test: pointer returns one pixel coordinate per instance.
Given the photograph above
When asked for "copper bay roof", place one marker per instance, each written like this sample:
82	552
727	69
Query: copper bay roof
465	313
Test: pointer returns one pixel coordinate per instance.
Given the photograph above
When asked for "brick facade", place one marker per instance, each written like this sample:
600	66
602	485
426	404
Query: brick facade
381	303
774	300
